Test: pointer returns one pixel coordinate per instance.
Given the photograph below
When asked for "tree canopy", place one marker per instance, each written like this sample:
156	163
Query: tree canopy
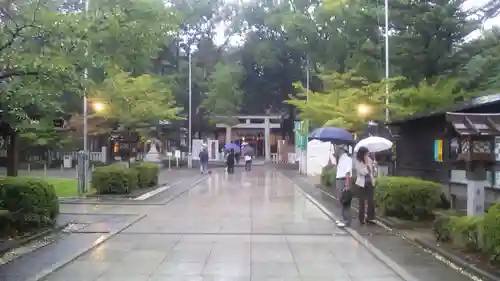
250	57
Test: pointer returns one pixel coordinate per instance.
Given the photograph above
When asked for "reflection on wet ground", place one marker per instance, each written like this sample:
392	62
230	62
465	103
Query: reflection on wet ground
245	226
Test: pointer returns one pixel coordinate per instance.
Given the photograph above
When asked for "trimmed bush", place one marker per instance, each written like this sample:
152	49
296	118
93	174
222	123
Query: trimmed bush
114	179
441	225
147	174
26	204
407	197
328	176
97	164
465	231
491	228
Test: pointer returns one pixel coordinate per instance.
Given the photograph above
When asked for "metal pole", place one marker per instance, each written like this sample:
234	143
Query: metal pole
308	79
85	112
386	60
190	102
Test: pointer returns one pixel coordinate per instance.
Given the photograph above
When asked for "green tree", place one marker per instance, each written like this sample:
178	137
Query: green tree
225	96
134	102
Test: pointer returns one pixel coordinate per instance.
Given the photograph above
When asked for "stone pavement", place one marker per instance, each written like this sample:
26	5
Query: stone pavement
410	258
247	226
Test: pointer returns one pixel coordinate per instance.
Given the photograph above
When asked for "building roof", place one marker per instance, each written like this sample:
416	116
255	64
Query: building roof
459	107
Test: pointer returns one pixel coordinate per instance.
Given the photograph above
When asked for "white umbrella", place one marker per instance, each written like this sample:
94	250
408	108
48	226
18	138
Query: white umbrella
374	144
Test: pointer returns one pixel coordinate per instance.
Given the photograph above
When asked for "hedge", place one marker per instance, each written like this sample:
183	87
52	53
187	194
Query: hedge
328	176
407	197
491	228
147	174
114	179
26	204
471	233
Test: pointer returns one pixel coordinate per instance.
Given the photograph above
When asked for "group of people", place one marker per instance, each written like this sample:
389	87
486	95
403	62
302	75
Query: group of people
232	158
364	168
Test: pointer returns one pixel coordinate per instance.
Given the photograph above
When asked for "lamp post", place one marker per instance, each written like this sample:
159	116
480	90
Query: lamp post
84	161
190	144
386	10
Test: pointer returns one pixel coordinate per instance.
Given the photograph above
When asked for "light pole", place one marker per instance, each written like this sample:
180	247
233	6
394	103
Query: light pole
386	8
190	156
85	161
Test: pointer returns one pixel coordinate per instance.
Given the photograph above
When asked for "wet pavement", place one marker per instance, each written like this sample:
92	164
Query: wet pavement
248	226
411	258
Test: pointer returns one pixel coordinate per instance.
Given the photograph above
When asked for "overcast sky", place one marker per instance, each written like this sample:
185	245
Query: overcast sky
220	38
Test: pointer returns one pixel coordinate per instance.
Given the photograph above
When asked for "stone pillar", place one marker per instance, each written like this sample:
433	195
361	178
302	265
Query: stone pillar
228	134
267	140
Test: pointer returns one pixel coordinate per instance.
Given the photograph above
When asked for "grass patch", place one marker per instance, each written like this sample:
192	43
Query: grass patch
66	187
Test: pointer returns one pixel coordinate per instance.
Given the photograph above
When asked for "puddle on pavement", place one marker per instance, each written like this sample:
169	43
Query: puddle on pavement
73	227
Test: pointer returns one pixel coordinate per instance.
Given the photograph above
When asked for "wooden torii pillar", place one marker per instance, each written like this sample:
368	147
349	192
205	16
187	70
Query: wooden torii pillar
477	130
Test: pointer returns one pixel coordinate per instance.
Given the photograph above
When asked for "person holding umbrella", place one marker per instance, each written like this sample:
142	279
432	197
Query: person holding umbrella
230	162
343	174
366	170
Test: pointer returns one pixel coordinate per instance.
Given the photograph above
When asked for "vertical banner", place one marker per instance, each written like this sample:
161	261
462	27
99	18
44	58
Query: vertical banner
438	150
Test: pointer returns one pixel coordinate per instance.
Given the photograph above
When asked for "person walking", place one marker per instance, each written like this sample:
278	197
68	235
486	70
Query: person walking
230	162
364	181
203	160
343	174
248	155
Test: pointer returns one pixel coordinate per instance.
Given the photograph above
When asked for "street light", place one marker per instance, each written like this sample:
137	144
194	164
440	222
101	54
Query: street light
98	106
363	110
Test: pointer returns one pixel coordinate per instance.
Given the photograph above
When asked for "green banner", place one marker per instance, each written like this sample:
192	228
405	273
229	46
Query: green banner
301	129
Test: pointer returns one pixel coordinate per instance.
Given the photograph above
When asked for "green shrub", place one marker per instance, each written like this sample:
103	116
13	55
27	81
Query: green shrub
441	224
465	231
27	203
147	174
97	164
114	179
491	228
328	176
407	197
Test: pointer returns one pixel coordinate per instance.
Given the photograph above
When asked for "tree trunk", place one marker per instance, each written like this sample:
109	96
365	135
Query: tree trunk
13	155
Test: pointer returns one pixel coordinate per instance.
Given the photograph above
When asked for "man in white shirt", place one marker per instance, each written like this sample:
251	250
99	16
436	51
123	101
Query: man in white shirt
344	168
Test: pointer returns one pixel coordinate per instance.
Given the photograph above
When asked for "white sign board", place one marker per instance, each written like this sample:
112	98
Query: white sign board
169	154
197	146
177	154
318	155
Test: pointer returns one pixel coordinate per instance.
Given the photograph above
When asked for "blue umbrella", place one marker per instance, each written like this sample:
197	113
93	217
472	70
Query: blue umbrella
331	134
231	146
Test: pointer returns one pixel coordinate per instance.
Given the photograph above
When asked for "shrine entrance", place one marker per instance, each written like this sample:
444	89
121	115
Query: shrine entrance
253	129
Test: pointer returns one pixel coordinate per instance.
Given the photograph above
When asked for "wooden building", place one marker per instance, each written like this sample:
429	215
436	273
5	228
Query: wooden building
427	147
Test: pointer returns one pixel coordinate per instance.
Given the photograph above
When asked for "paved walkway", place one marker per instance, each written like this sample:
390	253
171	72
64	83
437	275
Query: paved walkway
247	226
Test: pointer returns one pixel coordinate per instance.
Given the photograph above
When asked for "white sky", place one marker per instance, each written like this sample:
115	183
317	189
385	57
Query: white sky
236	40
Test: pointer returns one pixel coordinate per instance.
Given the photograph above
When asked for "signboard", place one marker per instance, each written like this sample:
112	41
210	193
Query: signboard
438	150
301	130
177	154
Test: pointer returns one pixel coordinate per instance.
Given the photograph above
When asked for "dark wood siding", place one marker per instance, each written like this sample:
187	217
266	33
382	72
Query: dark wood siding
415	149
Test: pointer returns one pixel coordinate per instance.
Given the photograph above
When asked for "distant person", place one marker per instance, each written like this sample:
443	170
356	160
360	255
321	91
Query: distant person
237	156
203	160
364	181
248	155
343	174
230	162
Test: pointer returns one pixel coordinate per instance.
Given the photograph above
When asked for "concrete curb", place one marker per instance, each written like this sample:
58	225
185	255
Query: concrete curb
49	270
23	241
440	254
401	272
125	202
